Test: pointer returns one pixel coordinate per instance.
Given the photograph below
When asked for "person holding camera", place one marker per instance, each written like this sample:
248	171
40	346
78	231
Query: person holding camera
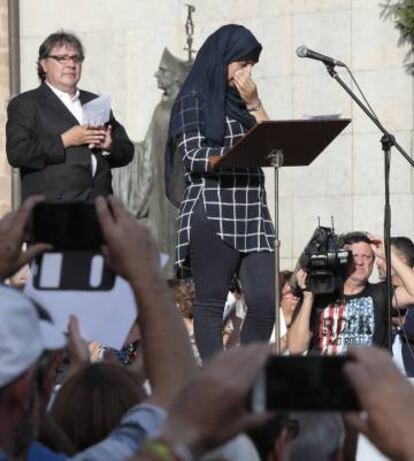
59	156
356	315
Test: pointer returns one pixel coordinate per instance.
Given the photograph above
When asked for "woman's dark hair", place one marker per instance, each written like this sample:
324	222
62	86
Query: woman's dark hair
284	277
92	402
59	38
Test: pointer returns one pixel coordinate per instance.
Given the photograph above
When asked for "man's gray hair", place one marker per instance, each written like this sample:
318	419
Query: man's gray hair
321	436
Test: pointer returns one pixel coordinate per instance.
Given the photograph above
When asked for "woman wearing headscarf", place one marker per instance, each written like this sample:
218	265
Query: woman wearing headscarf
224	225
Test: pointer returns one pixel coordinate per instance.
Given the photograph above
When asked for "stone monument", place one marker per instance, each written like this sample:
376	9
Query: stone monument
140	185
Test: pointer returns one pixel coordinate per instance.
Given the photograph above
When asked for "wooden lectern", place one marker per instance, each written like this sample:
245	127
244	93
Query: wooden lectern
277	143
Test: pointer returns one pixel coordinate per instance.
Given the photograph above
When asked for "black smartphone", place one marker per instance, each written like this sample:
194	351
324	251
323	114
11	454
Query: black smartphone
67	226
304	383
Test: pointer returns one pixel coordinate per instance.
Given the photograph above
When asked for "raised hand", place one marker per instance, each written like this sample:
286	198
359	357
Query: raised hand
377	246
246	86
79	355
130	250
387	398
212	408
14	229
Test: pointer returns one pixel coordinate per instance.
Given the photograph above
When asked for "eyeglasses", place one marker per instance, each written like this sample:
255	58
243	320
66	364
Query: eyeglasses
76	58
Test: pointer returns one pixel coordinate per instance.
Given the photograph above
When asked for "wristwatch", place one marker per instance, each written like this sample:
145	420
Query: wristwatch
254	107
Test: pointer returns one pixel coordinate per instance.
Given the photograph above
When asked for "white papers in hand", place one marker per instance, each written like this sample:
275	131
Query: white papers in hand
97	111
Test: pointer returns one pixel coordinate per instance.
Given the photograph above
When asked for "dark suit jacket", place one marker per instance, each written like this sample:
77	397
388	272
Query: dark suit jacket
36	119
407	346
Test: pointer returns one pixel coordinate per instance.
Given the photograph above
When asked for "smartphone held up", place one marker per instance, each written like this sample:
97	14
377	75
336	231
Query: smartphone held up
304	383
67	226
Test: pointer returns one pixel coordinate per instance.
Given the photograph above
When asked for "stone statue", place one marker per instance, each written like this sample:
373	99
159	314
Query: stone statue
140	185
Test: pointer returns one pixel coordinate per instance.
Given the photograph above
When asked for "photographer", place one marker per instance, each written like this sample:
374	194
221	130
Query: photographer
356	313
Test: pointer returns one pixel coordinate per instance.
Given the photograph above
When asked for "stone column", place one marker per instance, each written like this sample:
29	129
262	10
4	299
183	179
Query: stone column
5	170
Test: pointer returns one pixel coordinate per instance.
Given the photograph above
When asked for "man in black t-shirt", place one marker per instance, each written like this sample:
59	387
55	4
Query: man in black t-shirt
328	324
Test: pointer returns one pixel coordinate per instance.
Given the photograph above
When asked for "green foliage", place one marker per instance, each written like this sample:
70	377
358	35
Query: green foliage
404	20
402	13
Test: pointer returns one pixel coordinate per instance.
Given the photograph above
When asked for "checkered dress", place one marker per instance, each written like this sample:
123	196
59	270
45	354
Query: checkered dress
234	199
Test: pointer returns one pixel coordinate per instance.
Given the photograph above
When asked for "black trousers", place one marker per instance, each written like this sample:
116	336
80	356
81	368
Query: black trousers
213	264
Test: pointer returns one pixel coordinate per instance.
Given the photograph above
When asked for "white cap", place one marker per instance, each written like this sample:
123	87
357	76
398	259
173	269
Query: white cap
23	337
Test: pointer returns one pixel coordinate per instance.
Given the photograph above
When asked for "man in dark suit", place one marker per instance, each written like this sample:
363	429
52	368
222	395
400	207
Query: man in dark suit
58	155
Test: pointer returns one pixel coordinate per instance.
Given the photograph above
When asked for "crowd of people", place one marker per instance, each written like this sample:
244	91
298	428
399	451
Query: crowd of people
180	388
165	406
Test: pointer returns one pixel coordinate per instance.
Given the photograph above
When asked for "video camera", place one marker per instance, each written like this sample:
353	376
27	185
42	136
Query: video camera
325	261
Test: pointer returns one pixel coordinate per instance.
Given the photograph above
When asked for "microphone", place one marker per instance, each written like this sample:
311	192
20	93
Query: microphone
304	52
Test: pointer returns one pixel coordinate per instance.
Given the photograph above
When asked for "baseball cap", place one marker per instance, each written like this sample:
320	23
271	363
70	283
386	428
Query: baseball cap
23	337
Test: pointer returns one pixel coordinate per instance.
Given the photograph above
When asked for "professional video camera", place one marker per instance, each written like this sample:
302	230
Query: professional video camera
324	260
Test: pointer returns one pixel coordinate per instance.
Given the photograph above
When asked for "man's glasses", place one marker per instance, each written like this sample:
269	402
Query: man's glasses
76	58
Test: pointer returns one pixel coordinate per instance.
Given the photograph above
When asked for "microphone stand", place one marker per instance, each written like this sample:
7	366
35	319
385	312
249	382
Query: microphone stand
387	141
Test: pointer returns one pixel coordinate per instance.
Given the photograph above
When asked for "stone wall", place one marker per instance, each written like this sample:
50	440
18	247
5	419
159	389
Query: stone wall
124	41
346	181
5	171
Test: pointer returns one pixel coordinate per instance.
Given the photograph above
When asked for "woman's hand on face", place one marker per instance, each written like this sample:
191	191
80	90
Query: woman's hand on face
246	86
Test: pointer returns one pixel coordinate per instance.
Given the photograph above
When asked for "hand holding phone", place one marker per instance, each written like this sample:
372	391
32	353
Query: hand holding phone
304	383
67	226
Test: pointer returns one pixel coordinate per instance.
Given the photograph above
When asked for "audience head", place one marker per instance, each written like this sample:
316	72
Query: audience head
57	44
184	296
404	248
321	437
363	257
272	439
23	339
288	300
93	401
284	278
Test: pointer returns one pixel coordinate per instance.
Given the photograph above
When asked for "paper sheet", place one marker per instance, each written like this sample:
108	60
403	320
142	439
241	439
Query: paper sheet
97	111
333	116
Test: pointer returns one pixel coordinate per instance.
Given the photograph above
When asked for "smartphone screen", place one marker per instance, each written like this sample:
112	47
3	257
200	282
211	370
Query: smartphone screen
304	383
72	271
67	226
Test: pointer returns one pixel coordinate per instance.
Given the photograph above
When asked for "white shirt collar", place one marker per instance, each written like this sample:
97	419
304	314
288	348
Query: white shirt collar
62	94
